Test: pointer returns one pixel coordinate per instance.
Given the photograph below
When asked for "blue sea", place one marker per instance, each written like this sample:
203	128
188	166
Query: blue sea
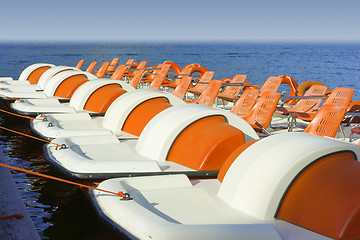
61	211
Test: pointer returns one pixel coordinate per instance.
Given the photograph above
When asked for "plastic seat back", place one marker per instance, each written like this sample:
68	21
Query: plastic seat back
312	104
326	121
79	64
263	110
200	87
340	97
111	68
233	91
272	84
182	87
208	96
91	67
245	103
102	70
160	77
138	74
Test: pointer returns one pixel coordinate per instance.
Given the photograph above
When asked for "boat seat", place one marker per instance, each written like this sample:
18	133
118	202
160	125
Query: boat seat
246	102
272	84
200	87
263	110
324	197
208	96
232	92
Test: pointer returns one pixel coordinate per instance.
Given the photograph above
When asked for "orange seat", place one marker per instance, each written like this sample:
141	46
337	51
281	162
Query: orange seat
325	197
339	97
232	92
246	102
91	67
36	74
139	72
121	69
271	84
326	121
208	96
186	71
263	110
200	87
182	87
204	144
306	105
102	70
160	77
111	68
79	64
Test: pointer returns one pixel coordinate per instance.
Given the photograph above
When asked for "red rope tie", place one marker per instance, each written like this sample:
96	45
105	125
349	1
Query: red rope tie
125	196
17	216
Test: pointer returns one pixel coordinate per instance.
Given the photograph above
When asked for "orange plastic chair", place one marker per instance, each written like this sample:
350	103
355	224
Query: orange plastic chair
232	92
208	96
111	68
160	77
272	84
79	64
140	70
338	97
182	87
327	121
151	73
263	110
306	105
246	102
102	70
200	87
91	67
121	69
185	72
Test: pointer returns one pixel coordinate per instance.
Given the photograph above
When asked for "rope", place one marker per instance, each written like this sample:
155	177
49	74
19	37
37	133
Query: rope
18	115
26	135
17	99
120	193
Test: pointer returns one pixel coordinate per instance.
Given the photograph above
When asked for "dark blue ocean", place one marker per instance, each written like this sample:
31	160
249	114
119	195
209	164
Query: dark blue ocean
60	211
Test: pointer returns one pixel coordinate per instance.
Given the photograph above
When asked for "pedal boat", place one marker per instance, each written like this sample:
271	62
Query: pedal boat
134	109
62	85
286	186
186	138
92	97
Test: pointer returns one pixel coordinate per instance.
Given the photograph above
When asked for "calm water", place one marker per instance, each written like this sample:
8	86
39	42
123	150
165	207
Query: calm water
60	211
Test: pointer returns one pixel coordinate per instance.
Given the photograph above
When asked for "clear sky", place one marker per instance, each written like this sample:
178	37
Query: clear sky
183	20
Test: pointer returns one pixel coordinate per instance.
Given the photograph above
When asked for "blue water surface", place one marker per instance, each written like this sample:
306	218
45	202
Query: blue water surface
61	211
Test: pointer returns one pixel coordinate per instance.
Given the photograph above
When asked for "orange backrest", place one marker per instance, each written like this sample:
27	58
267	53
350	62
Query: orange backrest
154	71
102	70
138	74
79	64
121	69
34	76
271	84
110	69
67	87
263	110
234	90
340	97
182	87
205	144
100	100
326	121
200	87
91	67
208	96
143	113
325	197
312	104
246	102
160	77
